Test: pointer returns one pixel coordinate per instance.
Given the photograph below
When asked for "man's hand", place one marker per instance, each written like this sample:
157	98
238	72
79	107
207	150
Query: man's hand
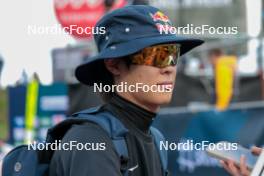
242	169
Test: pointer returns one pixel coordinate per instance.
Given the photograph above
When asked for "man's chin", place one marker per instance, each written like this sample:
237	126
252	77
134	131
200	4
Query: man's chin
164	99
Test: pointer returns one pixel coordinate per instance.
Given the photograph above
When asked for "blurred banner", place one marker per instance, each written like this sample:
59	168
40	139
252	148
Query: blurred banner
65	60
16	113
49	108
197	12
53	103
78	18
244	126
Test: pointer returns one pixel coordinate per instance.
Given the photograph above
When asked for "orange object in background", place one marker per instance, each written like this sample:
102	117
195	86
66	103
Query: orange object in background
225	69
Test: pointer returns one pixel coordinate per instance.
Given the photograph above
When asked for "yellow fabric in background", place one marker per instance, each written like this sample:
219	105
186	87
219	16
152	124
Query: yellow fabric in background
224	79
31	109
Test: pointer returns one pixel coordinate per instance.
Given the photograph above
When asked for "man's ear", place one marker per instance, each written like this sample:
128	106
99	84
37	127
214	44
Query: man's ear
113	66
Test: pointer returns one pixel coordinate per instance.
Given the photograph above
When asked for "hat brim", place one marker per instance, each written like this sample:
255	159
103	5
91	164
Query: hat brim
93	70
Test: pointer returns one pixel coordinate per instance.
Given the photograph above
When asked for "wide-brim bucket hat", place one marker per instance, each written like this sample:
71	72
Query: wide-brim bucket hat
127	31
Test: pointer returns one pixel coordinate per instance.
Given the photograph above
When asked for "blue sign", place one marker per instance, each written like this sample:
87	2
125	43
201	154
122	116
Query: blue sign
245	127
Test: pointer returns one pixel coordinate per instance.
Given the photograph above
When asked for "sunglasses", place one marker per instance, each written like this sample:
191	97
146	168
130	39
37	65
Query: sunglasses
158	56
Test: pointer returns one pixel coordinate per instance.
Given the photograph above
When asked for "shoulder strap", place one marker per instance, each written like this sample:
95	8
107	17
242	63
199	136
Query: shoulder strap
117	131
162	153
114	128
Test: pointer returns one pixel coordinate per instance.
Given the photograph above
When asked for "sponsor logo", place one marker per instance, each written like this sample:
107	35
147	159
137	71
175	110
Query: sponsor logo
159	16
162	21
133	168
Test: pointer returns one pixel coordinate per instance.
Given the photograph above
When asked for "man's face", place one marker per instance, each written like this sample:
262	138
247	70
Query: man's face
149	76
161	79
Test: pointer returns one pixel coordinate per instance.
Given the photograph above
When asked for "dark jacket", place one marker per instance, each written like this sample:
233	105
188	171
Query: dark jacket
143	155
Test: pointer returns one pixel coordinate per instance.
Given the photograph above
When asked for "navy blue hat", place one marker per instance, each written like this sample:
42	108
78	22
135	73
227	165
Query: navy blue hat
128	30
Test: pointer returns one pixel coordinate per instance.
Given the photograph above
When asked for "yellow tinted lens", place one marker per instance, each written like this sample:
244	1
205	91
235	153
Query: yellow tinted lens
158	56
166	55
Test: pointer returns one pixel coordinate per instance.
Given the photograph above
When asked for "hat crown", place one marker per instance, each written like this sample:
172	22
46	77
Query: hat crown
129	23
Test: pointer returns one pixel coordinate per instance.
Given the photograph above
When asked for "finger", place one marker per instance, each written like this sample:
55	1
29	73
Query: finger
225	166
234	170
243	167
256	150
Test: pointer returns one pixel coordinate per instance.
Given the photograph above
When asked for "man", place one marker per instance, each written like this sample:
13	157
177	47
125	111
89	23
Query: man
225	79
133	50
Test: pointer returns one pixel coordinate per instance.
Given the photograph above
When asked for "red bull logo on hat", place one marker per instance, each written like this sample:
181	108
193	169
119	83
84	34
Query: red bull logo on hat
162	21
159	16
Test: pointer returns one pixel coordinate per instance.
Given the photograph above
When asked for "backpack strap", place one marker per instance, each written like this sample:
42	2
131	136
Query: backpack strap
114	128
162	153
